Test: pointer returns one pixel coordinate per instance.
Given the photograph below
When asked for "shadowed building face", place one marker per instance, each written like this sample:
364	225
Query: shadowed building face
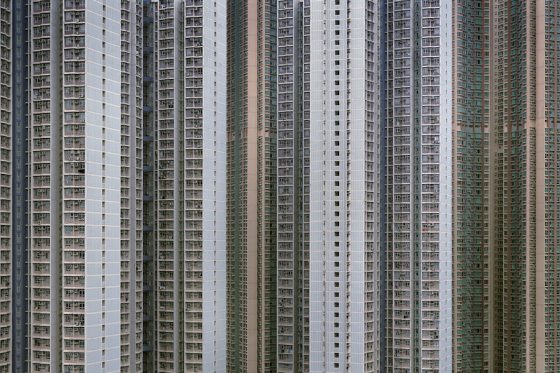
251	201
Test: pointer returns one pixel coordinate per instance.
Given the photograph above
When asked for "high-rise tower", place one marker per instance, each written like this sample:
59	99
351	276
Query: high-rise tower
185	170
473	199
344	186
251	195
293	186
419	195
131	186
506	181
74	175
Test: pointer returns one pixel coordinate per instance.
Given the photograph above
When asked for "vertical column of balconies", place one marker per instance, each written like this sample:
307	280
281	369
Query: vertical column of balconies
5	184
499	100
138	179
511	152
237	188
167	179
44	206
193	213
265	106
287	168
303	283
126	179
415	186
19	56
388	198
471	224
399	188
551	172
305	186
293	185
148	207
73	185
550	345
372	173
400	260
131	186
418	187
515	111
499	127
430	179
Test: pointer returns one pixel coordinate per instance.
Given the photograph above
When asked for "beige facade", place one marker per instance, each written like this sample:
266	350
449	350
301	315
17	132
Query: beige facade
251	200
506	156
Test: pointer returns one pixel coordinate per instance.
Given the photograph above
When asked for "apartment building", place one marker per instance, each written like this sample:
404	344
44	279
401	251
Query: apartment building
74	192
505	206
293	186
344	189
251	186
131	186
185	186
472	198
419	180
8	251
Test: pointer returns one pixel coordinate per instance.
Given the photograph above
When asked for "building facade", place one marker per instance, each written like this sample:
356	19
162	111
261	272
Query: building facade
74	173
505	206
148	190
293	186
546	47
131	186
251	193
19	202
472	198
344	189
418	195
185	181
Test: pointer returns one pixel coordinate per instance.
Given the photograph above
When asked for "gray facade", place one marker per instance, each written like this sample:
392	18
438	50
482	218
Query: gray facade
293	186
418	196
184	186
131	184
19	185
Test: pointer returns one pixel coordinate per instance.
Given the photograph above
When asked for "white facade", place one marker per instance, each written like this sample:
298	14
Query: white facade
102	153
345	129
213	168
75	187
190	183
